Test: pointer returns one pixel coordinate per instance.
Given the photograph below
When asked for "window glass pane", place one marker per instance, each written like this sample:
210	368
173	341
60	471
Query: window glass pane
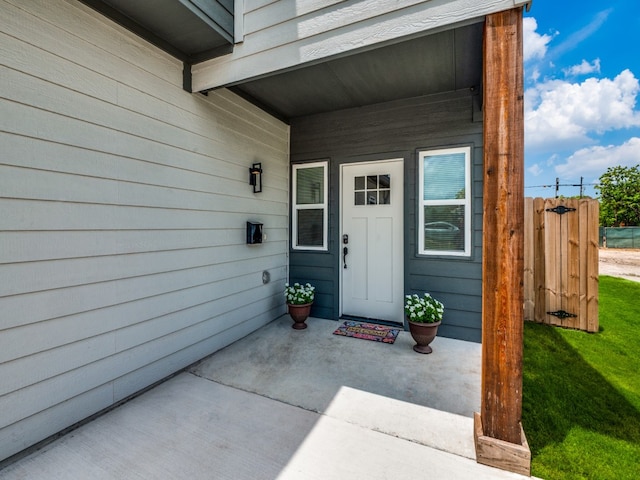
359	183
310	227
444	227
444	177
372	182
359	198
309	185
385	181
384	197
372	198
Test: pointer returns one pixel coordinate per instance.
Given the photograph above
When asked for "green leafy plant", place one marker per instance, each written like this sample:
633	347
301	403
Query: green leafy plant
619	189
425	309
297	294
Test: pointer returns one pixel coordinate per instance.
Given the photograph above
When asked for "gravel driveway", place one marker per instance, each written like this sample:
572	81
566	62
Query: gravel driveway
620	262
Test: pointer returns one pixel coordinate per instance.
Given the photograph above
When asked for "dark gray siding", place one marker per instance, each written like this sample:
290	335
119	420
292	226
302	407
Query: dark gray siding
397	130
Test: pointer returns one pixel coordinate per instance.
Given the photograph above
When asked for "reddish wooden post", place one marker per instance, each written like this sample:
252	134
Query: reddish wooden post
499	437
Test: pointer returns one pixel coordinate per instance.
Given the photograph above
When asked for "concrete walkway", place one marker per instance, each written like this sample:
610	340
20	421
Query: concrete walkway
281	419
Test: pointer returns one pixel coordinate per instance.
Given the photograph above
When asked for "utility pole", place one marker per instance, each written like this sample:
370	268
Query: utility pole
581	187
557	186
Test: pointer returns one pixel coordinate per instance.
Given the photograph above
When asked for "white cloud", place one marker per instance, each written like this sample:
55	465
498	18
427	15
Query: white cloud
583	68
581	35
534	44
535	170
552	159
535	74
560	114
594	161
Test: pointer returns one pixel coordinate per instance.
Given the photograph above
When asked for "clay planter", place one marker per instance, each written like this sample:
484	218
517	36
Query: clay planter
423	334
299	314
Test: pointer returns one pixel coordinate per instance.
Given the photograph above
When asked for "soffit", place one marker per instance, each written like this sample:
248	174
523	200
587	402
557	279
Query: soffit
190	30
445	61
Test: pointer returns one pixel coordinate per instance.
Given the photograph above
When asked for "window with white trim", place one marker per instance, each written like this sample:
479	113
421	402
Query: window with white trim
444	209
309	210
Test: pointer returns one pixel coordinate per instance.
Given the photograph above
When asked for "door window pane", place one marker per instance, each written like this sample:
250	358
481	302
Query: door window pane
372	190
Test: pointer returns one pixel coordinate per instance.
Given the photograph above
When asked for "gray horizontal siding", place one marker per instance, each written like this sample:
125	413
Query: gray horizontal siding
123	202
398	130
311	267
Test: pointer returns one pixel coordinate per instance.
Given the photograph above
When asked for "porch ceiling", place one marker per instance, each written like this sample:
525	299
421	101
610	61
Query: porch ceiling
445	61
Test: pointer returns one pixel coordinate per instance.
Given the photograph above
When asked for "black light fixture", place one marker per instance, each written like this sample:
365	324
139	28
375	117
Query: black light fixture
255	177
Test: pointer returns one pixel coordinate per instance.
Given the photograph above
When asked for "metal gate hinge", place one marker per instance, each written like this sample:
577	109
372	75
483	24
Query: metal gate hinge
561	209
561	314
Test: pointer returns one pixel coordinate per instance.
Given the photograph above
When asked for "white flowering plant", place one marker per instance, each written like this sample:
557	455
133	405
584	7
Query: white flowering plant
425	309
297	294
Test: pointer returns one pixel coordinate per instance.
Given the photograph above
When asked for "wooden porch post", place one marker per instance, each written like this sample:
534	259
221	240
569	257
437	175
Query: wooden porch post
500	440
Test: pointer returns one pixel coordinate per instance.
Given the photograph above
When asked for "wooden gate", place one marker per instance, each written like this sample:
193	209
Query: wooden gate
561	262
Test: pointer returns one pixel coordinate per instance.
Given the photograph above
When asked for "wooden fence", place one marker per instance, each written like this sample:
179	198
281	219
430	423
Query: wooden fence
561	262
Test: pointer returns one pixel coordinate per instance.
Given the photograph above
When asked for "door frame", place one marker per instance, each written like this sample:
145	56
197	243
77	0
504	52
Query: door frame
402	161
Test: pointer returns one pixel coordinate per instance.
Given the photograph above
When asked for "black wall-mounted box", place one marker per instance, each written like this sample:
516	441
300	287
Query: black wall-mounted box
254	233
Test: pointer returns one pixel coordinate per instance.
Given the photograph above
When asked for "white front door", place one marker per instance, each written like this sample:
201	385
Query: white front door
371	238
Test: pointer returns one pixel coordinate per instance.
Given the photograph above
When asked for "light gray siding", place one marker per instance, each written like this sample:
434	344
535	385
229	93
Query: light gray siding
398	130
123	203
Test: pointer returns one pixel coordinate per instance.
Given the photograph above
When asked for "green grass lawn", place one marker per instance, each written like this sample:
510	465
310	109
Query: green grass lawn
581	392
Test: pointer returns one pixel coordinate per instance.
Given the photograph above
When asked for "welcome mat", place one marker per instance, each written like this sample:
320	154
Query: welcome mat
367	331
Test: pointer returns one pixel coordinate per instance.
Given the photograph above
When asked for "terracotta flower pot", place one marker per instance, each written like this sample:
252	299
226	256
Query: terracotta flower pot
299	314
423	334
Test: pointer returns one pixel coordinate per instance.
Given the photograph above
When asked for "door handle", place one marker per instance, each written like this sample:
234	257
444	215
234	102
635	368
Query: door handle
345	251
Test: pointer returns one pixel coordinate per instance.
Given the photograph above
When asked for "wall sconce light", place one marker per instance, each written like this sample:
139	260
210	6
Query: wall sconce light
255	177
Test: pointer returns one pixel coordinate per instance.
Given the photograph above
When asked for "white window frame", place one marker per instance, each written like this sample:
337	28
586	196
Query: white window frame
466	202
309	206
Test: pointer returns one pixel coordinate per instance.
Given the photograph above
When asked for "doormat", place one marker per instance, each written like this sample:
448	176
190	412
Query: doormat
367	331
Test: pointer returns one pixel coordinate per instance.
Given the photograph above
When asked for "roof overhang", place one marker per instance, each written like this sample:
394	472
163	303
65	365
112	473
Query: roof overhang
446	61
356	59
435	47
191	30
303	44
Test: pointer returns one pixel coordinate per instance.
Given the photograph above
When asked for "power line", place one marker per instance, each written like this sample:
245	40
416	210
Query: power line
562	185
557	185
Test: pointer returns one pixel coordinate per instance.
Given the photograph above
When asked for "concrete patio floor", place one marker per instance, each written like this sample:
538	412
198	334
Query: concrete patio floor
285	404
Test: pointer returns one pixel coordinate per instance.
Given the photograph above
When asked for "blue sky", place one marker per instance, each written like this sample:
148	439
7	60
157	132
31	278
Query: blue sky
582	83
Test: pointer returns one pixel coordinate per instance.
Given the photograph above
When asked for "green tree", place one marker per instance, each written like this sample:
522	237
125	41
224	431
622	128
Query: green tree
619	189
